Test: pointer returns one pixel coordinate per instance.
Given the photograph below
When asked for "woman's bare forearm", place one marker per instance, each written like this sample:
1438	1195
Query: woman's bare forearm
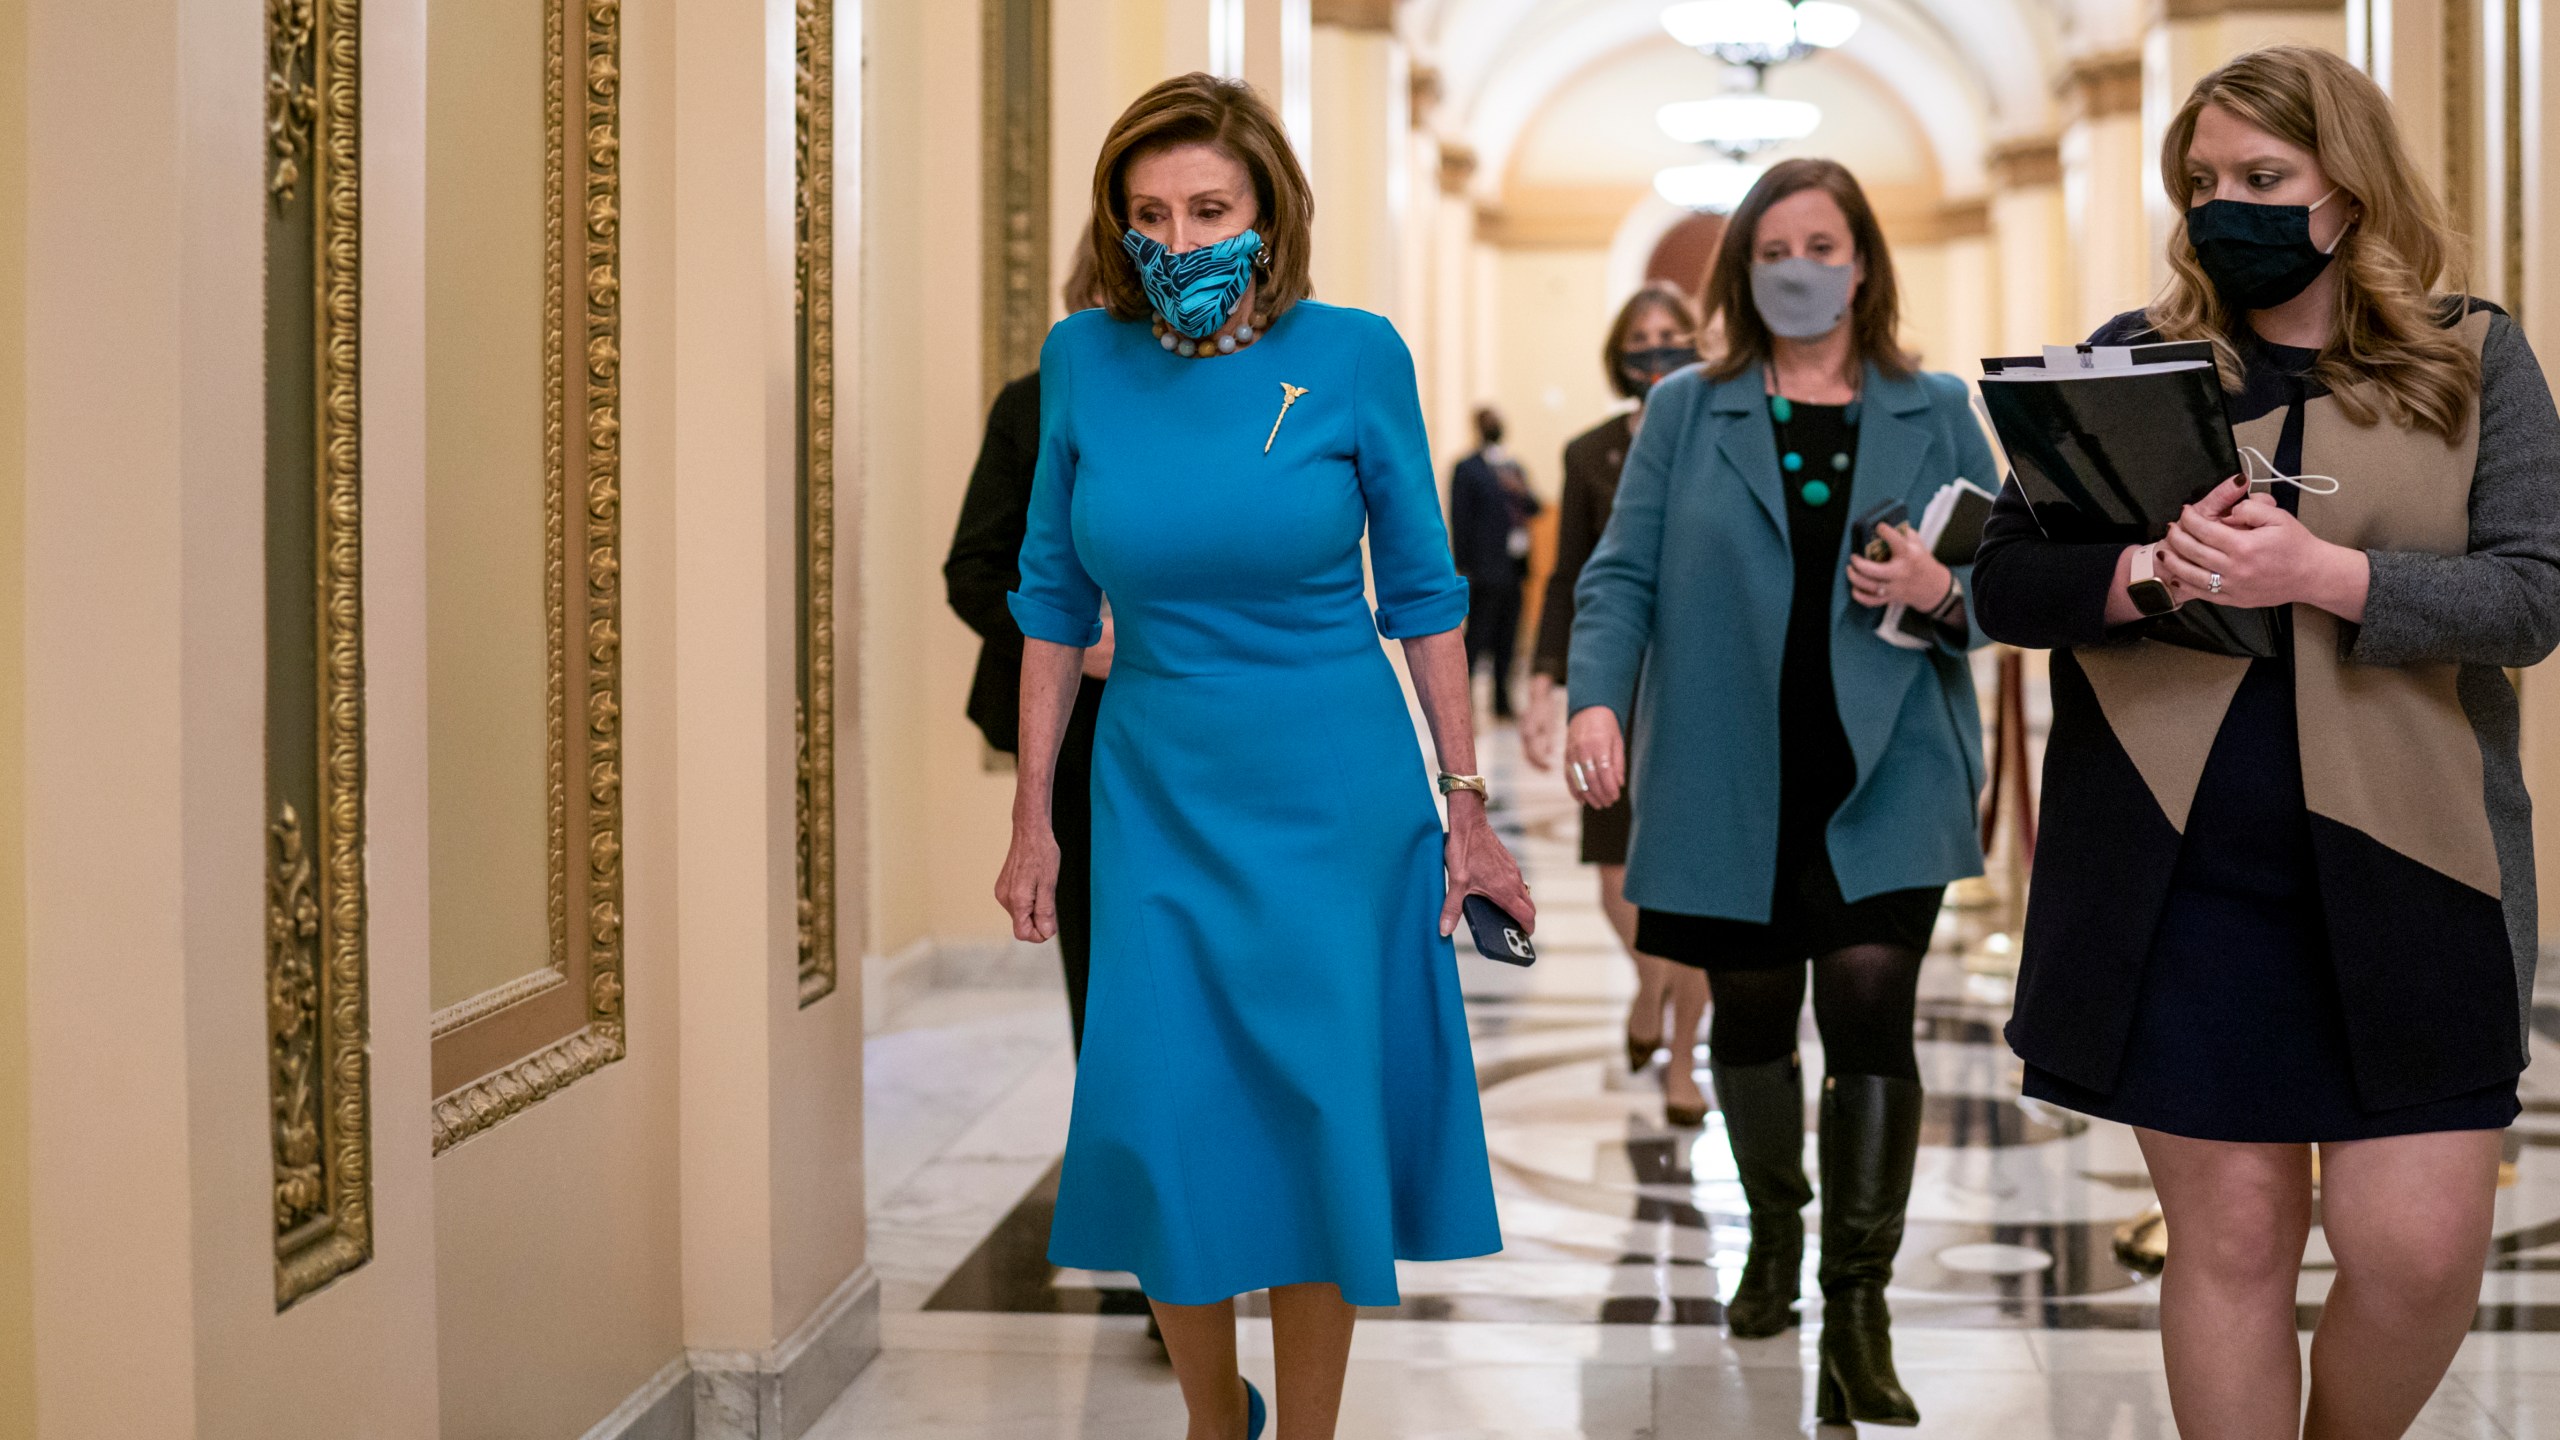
1438	664
1051	674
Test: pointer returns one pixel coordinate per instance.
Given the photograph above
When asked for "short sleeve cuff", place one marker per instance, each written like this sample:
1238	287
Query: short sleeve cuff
1047	622
1426	615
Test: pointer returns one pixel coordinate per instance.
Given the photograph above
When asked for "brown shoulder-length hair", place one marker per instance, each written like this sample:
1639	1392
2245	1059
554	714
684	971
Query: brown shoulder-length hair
2389	353
1875	317
1653	295
1200	109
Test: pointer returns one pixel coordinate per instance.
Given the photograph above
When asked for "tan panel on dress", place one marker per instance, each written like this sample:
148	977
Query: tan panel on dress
2166	704
2387	749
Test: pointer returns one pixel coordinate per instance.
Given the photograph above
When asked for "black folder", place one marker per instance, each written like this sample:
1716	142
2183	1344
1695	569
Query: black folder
2109	451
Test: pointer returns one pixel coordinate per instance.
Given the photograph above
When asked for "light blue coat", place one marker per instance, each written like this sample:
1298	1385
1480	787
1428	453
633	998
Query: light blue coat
1691	585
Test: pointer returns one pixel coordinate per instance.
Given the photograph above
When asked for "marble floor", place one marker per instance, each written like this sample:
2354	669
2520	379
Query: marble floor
1601	1317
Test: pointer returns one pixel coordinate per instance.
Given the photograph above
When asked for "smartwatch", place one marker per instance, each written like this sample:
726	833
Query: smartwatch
2149	593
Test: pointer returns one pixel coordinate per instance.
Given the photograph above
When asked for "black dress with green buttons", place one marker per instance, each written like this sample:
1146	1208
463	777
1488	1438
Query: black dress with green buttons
1808	917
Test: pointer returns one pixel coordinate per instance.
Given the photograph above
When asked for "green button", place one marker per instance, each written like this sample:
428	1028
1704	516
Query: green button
1817	494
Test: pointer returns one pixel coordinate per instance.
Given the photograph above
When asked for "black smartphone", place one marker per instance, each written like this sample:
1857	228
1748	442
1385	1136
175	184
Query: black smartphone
1498	936
1863	539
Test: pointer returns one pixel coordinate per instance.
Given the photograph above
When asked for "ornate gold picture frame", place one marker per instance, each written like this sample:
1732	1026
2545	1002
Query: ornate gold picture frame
320	1118
500	1052
1014	100
814	331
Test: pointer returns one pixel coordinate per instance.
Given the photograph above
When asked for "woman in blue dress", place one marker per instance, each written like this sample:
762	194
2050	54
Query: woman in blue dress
1276	1088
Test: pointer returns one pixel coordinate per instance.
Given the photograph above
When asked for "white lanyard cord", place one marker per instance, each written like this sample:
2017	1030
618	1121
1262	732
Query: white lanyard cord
2275	476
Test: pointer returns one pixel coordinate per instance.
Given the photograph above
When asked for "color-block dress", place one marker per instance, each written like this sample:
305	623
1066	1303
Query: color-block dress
1276	1084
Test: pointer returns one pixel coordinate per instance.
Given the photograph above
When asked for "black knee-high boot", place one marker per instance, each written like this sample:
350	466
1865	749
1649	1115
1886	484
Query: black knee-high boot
1870	1138
1764	1121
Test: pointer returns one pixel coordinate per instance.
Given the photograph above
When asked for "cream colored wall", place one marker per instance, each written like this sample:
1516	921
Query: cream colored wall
1553	311
939	817
487	661
17	1303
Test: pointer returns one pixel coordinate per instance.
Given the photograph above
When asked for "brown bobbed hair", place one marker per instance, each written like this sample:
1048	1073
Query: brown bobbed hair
1202	109
2389	353
1875	316
1083	290
1654	295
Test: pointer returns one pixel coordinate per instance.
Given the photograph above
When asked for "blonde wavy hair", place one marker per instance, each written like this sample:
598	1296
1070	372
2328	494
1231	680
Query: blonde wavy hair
2391	354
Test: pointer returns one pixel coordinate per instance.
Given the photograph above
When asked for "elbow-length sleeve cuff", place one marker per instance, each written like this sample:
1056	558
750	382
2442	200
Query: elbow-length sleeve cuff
1426	614
1047	622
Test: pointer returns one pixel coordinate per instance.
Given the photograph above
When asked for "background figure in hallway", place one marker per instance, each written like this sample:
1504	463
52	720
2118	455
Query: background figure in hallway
2332	941
1281	1093
1490	508
1655	334
1807	790
982	569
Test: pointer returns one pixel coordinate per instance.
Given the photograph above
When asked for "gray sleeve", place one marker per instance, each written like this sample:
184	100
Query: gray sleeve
2500	603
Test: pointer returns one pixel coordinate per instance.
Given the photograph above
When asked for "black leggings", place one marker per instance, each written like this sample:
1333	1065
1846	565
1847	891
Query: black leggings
1865	1000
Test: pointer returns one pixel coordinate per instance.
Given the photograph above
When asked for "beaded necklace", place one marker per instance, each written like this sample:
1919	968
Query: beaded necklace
1816	489
1190	349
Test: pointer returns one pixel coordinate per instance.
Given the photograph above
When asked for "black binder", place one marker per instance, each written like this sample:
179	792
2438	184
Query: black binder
2111	450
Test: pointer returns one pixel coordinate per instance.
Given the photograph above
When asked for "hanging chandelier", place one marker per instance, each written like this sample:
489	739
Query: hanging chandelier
1760	33
1738	124
1716	186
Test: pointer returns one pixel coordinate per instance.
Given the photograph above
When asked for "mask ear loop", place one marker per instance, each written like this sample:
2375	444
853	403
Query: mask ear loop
2277	477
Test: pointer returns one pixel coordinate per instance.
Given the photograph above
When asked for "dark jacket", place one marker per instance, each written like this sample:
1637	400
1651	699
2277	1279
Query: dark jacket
1592	461
986	557
1691	587
1482	514
2408	738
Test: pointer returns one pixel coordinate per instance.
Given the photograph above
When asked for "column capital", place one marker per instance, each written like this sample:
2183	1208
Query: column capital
1457	166
2096	86
2024	164
1967	219
1356	14
1423	87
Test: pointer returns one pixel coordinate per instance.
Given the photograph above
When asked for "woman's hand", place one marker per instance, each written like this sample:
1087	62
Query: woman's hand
1912	577
1595	756
1027	887
1541	721
2235	548
1479	864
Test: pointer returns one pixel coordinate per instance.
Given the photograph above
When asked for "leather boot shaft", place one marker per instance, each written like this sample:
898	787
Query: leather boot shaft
1763	1109
1870	1140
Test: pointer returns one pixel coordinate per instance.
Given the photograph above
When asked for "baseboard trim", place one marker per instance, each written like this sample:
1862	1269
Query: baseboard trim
778	1394
775	1394
659	1410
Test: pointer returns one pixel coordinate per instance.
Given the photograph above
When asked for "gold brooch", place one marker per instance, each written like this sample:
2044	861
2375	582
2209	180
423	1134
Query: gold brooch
1288	396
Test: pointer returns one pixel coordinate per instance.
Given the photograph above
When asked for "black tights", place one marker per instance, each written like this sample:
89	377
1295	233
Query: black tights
1864	999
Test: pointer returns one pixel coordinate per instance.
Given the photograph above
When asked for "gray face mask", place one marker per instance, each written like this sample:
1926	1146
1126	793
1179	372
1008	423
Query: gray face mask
1801	298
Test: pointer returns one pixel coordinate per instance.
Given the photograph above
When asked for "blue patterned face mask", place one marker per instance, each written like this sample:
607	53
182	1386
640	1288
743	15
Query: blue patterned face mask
1194	292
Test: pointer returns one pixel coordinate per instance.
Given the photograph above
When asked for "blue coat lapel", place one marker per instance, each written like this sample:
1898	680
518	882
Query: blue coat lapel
1892	443
1749	443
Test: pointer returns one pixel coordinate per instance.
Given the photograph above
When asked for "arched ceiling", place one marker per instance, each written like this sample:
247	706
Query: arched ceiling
1971	71
1599	128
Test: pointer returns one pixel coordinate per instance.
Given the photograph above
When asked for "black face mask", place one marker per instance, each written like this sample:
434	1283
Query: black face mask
1639	370
2257	256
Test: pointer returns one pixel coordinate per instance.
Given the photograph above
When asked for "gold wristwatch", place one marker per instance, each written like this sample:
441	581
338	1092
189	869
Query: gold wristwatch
1449	782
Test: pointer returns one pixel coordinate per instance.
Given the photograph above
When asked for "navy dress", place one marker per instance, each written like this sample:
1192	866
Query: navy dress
2239	1033
1276	1085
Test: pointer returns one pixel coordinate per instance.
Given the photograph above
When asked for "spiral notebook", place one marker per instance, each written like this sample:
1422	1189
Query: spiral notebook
2109	443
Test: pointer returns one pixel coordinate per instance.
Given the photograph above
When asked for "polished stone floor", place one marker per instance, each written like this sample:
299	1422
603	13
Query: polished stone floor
1601	1316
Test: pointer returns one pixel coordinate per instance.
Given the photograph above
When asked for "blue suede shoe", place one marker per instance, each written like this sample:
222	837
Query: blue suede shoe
1254	1414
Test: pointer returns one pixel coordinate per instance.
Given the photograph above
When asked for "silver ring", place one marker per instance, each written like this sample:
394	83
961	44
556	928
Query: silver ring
1574	769
1600	762
2215	582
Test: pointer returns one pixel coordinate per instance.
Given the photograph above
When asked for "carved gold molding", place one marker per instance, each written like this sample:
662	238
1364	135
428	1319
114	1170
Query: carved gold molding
582	369
1014	96
815	715
320	1113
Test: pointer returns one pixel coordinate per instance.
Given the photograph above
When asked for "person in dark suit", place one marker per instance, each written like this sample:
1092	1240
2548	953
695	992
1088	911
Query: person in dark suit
984	567
1489	512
